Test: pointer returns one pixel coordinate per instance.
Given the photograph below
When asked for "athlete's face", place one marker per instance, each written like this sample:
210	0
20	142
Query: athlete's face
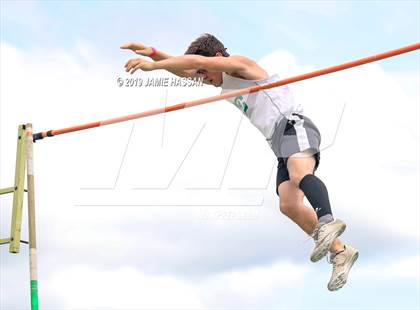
213	78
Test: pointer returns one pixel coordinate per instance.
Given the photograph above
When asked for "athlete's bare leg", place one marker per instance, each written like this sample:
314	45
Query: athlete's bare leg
291	196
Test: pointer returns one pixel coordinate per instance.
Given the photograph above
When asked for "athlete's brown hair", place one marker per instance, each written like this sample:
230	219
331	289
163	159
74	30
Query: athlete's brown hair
206	45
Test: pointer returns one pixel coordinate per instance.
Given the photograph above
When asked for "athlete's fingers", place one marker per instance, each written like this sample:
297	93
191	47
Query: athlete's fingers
131	63
129	45
127	63
135	68
127	66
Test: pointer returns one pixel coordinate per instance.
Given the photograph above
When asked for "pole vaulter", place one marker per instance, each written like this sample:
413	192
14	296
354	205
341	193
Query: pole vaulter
249	90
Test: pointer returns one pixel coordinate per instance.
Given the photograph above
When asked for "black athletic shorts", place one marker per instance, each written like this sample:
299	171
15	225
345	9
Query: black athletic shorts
300	134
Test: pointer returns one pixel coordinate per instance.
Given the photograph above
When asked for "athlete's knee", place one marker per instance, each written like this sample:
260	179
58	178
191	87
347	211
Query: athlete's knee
291	198
286	206
297	176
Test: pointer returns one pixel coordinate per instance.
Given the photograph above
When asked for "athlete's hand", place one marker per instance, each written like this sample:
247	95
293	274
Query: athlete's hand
138	63
138	48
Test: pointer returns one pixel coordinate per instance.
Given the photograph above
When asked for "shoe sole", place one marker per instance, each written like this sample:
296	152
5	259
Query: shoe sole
342	278
323	250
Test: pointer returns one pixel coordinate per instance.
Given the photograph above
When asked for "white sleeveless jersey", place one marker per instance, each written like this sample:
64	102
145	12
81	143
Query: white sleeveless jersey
266	108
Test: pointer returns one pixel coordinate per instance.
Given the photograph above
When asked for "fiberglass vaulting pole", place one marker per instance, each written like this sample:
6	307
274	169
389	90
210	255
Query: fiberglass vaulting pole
253	89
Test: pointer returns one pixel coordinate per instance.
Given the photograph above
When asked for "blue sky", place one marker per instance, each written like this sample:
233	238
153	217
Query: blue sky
319	33
57	56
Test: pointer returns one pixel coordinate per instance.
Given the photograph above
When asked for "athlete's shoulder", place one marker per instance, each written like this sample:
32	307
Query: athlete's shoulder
250	69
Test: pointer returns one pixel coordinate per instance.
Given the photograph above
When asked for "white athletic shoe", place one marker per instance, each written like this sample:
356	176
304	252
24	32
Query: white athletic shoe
342	263
324	235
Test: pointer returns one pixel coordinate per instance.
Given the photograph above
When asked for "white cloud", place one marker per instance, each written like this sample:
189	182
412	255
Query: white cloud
409	81
406	268
128	288
254	287
124	288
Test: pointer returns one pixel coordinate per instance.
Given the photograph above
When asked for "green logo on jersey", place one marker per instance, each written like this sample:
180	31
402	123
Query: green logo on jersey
240	103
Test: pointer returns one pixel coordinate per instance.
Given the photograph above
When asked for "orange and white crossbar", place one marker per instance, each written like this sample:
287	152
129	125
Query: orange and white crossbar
248	90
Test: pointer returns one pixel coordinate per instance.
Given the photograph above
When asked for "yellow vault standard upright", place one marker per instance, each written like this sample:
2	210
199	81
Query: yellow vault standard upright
24	163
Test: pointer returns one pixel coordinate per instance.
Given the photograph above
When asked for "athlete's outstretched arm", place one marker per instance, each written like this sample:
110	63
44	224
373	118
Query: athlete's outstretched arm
156	55
190	62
